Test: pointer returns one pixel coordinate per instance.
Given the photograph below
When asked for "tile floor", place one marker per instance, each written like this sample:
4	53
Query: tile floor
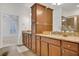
16	51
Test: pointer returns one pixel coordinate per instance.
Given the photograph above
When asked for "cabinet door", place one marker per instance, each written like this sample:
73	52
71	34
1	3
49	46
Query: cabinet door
54	50
49	19
41	18
44	48
66	52
49	16
41	14
24	38
30	41
33	44
38	46
27	41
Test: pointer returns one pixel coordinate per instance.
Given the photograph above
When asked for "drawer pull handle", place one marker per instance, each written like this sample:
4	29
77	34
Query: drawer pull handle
69	46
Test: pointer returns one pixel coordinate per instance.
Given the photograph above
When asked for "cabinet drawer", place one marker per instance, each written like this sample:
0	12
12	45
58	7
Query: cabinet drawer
51	40
54	42
66	52
45	39
70	45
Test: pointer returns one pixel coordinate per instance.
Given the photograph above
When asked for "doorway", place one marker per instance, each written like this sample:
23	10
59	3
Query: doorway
10	30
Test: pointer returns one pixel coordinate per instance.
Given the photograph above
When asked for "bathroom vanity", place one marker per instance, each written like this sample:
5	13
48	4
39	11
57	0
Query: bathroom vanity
52	45
42	42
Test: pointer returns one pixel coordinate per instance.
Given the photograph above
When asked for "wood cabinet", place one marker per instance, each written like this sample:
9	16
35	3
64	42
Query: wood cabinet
38	45
27	41
70	45
24	38
70	48
49	20
33	43
41	18
54	50
42	21
30	41
33	19
54	47
33	12
66	52
44	48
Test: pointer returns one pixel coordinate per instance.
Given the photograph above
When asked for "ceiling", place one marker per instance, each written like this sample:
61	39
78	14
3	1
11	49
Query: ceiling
28	5
70	6
65	6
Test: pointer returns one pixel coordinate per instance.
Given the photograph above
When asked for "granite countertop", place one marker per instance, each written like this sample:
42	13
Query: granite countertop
60	37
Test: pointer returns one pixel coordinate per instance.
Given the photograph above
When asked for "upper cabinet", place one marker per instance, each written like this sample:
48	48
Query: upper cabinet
41	18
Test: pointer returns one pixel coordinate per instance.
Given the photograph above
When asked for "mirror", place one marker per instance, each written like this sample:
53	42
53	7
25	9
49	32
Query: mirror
70	17
68	24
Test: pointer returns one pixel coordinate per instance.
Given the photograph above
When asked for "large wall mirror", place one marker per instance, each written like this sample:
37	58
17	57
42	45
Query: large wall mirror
70	17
